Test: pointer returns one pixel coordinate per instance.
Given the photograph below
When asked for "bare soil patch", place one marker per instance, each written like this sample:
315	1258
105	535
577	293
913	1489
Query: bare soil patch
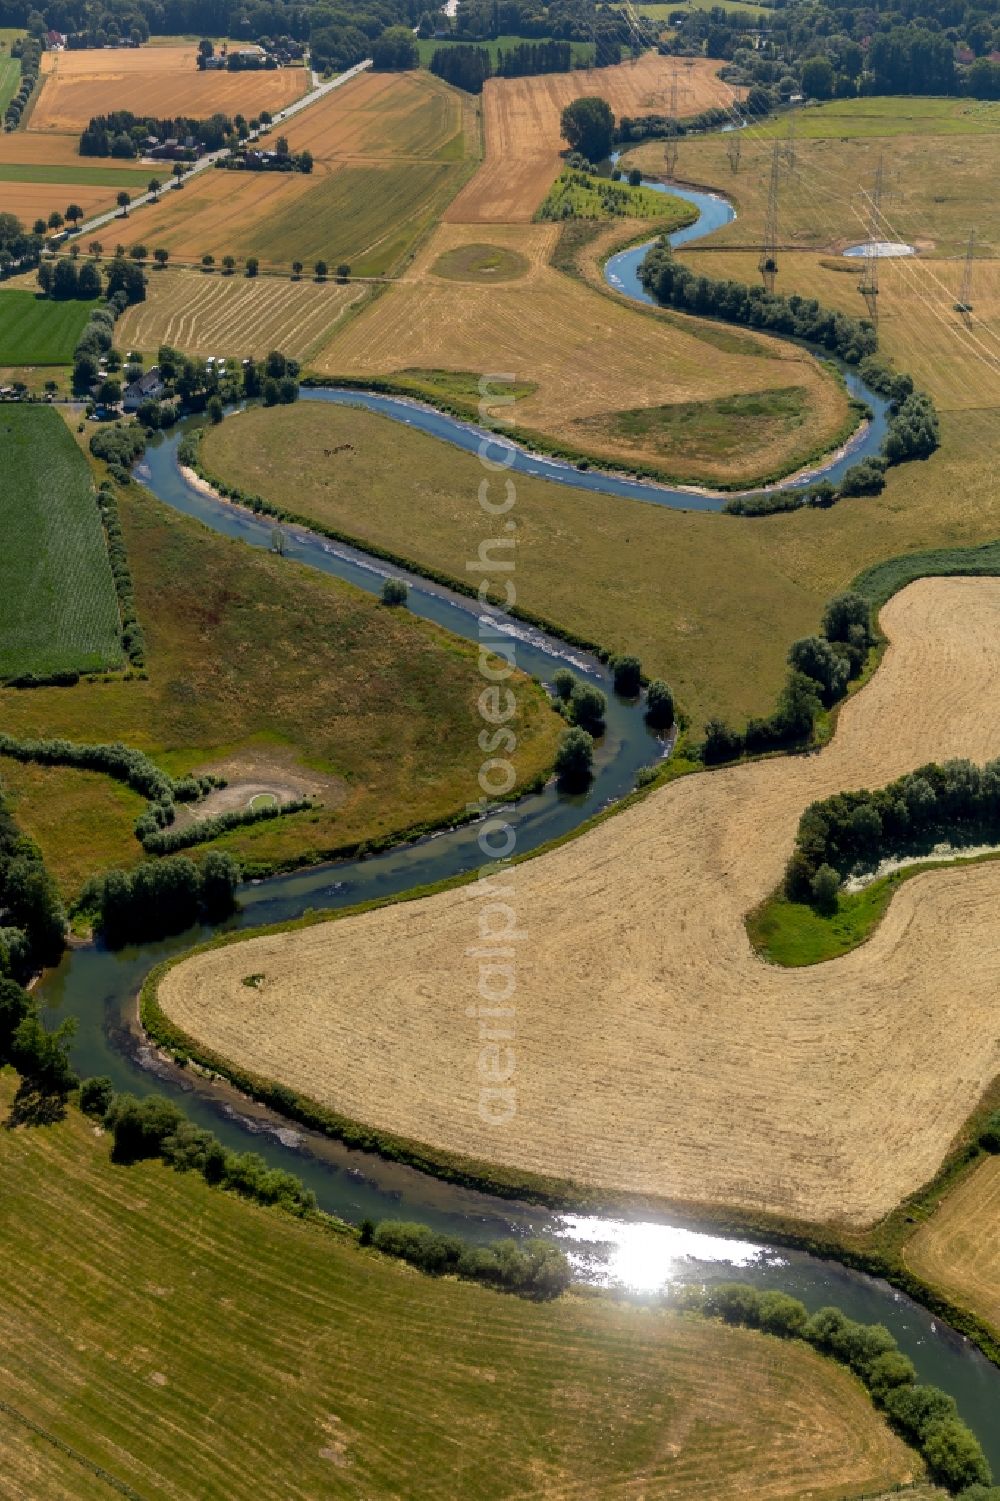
654	1053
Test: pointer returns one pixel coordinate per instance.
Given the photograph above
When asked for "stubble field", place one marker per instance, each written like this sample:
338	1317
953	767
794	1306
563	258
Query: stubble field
234	315
389	150
521	127
958	1248
956	359
209	1350
159	81
655	1054
590	356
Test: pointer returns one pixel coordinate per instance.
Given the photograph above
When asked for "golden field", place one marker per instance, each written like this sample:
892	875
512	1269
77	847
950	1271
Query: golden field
159	81
521	127
390	150
234	315
589	355
655	1055
956	359
958	1248
208	1350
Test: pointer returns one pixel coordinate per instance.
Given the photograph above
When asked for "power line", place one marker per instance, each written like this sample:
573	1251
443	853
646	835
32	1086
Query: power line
768	264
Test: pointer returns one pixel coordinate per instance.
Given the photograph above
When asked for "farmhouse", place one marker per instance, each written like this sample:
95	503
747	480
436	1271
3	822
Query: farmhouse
148	387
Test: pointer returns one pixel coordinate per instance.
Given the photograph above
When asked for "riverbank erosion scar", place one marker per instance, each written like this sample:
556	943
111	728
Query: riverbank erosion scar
656	1054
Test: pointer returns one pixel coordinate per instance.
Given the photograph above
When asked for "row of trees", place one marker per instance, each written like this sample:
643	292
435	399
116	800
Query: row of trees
29	51
32	920
957	803
19	249
835	48
533	1268
926	1417
820	669
675	285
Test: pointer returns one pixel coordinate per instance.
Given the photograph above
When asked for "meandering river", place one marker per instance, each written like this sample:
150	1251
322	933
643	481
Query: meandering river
99	988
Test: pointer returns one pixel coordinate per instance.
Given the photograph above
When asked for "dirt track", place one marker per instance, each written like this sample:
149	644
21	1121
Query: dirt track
655	1053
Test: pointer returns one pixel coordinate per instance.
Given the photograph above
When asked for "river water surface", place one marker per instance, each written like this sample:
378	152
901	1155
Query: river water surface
642	1256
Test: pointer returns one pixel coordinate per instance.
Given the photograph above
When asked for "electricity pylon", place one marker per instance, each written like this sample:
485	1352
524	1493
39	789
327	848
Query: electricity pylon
869	280
768	264
964	303
734	149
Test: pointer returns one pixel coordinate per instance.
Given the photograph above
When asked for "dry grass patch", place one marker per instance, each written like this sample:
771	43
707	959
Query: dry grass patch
695	1071
234	315
590	356
159	81
956	359
958	1249
257	1356
521	125
937	187
251	655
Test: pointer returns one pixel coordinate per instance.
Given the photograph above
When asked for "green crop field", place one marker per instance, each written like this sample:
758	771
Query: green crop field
269	672
194	1347
57	600
583	52
849	118
581	195
97	177
10	76
367	216
37	331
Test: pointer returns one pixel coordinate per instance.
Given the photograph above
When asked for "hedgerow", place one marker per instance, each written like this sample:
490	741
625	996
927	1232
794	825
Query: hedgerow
926	1417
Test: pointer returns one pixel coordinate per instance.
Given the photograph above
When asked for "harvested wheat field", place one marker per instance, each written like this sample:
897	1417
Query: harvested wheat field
521	125
956	359
390	152
591	357
32	200
654	1053
958	1249
234	315
158	81
385	115
320	1386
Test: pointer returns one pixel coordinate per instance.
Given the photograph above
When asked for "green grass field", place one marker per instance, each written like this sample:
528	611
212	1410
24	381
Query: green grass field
57	600
278	674
99	177
709	602
366	216
10	77
583	52
194	1347
850	118
37	331
703	429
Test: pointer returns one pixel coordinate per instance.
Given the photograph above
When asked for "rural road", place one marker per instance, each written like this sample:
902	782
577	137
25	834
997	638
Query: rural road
209	161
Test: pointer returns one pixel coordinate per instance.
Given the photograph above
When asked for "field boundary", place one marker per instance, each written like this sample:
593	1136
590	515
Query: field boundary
878	1250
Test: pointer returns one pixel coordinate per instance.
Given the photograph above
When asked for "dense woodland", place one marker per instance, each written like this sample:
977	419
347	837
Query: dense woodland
842	49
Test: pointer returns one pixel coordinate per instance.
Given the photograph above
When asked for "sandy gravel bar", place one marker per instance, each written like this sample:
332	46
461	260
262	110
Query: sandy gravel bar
655	1053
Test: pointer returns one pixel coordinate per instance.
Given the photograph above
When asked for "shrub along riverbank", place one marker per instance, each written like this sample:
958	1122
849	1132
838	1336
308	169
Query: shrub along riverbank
913	431
937	808
924	1416
154	1127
